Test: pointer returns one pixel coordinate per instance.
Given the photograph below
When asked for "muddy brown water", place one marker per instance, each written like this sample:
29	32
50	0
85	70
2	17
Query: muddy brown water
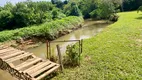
89	29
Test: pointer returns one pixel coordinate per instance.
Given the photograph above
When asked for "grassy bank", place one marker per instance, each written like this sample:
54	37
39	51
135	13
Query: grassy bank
48	30
114	54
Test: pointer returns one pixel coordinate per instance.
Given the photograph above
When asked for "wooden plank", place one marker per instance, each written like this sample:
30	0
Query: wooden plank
4	47
28	63
47	73
39	67
43	69
33	67
1	45
9	52
13	54
18	57
6	50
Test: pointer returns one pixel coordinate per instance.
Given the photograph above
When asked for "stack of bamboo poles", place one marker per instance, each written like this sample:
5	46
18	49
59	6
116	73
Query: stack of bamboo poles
30	66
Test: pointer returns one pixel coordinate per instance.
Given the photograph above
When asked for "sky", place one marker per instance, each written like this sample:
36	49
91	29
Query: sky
3	2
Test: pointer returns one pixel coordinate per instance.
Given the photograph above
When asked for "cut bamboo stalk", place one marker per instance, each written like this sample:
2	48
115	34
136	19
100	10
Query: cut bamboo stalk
18	57
11	55
28	63
38	67
43	69
47	73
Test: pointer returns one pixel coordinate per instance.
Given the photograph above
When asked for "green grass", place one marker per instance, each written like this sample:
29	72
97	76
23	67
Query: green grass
49	30
114	54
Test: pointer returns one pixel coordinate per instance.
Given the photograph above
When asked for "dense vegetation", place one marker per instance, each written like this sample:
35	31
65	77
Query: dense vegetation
139	9
114	54
29	13
48	30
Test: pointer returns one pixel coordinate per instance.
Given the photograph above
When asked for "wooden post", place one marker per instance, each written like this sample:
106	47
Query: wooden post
81	45
47	49
79	51
60	58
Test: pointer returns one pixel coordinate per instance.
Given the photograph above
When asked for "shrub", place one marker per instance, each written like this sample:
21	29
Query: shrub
72	57
114	17
139	9
48	30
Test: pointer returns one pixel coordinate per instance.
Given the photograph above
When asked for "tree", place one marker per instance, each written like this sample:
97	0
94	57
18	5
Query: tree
129	5
75	10
87	6
72	9
6	19
66	2
1	8
8	6
58	3
23	15
104	10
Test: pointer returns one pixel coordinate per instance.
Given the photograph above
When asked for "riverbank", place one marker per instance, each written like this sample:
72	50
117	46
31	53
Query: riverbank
114	54
33	36
89	29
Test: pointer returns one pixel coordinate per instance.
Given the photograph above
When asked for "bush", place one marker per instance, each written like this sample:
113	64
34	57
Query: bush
48	30
72	57
139	9
103	11
114	17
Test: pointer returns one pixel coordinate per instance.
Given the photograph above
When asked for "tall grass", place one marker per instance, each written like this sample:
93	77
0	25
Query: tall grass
48	29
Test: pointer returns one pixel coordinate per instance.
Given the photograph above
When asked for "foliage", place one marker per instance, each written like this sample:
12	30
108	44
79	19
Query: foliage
129	5
72	9
99	8
8	6
57	14
58	3
48	30
103	11
72	57
6	19
114	54
113	17
87	6
139	9
34	13
29	13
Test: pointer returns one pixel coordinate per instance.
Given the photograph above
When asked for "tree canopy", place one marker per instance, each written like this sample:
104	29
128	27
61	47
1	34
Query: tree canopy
29	13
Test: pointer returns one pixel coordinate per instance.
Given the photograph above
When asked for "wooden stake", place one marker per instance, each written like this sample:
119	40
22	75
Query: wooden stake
60	58
81	45
47	49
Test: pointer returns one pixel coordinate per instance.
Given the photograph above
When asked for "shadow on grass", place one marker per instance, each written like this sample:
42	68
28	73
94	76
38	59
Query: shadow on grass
49	77
139	18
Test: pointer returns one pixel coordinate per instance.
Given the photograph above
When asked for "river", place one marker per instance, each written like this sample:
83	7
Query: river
89	29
